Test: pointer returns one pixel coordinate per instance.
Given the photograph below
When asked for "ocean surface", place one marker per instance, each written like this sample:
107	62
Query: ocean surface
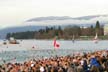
37	49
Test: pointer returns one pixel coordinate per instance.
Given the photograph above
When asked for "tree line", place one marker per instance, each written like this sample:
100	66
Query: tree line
62	33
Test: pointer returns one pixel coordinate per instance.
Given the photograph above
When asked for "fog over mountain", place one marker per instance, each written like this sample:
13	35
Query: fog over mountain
65	20
41	22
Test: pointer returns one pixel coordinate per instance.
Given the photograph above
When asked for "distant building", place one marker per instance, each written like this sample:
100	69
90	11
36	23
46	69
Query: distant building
106	29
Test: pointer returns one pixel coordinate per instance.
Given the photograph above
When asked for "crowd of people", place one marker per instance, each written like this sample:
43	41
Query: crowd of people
80	62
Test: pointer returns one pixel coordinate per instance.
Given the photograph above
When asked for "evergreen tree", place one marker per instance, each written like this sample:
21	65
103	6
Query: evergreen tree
97	27
92	30
8	35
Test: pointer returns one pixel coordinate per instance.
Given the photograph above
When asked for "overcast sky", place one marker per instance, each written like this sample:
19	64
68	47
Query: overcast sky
15	12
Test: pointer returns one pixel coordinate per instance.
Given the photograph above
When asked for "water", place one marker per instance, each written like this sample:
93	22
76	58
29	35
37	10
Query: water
44	48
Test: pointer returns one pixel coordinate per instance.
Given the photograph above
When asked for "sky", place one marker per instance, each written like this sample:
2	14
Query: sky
15	12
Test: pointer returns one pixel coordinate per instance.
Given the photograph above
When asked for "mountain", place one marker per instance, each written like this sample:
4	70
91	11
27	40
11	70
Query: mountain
66	20
91	17
41	22
4	31
49	18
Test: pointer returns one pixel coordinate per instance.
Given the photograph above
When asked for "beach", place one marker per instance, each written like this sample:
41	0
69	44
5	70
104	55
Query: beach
77	62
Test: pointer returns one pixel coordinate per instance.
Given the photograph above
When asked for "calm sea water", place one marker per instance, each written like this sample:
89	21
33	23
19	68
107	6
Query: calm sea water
44	48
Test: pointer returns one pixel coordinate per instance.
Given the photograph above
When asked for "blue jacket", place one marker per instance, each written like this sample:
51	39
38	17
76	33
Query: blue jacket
94	62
